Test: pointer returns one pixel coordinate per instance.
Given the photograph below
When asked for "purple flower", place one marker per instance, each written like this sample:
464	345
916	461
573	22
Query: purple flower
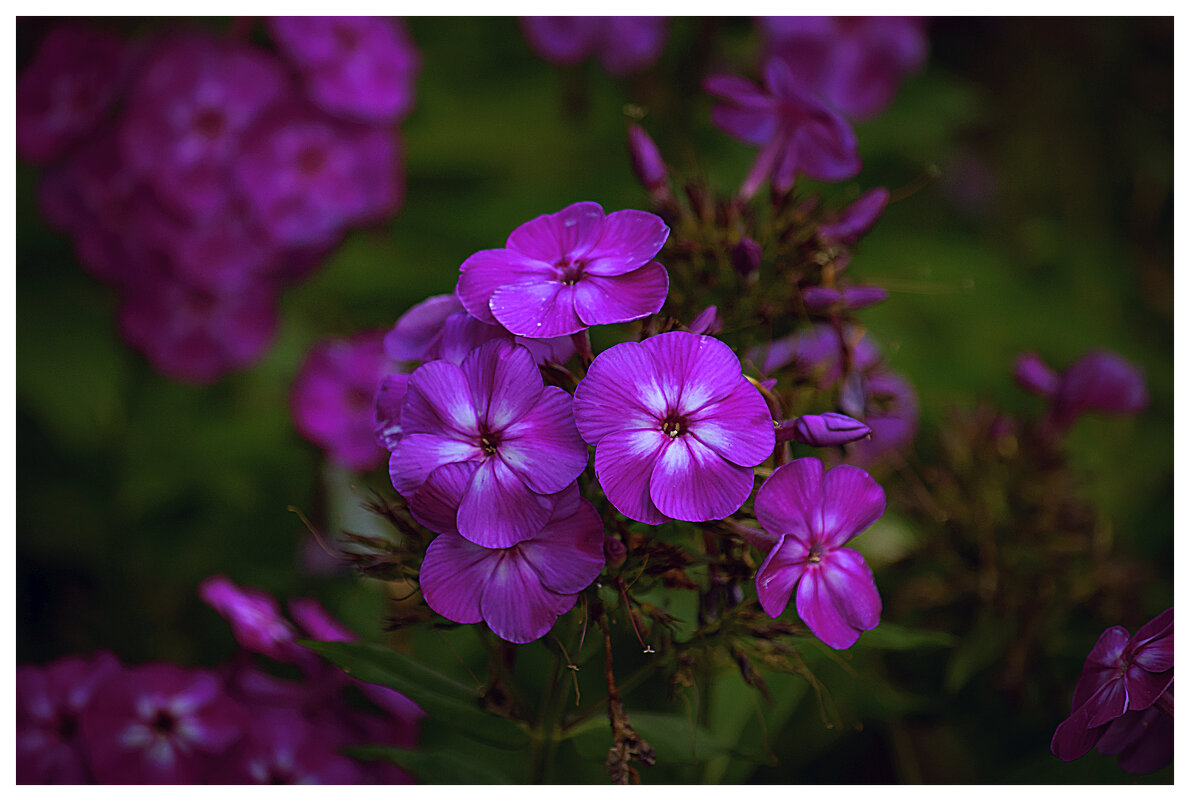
307	176
362	68
439	328
797	133
561	273
518	591
1121	675
333	398
857	219
822	430
494	415
283	747
821	298
1099	381
196	335
647	163
65	91
853	63
255	619
623	44
49	701
159	724
1035	376
186	115
677	428
814	516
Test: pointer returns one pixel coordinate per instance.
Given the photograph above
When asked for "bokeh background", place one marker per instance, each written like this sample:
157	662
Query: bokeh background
1037	159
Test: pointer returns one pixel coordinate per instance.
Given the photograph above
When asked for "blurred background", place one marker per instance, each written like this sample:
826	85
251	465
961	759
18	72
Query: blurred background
1031	162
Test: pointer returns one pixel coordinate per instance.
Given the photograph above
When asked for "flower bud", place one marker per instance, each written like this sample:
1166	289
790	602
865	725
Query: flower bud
855	220
707	322
614	551
822	430
647	163
746	256
1034	376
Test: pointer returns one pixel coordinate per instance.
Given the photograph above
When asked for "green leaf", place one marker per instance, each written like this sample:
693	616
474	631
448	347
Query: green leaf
441	697
891	637
434	767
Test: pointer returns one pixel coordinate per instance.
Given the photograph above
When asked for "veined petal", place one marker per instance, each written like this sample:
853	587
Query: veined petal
693	370
739	427
780	573
851	501
503	381
620	298
624	462
567	554
437	402
692	482
498	509
1108	703
578	228
541	309
620	392
790	500
629	240
1144	688
1073	738
823	605
436	502
543	447
418	455
853	586
515	604
453	576
488	270
410	338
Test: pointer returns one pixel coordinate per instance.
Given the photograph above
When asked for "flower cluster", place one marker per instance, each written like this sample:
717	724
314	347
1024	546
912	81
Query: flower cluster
622	44
196	176
93	720
1123	702
1099	381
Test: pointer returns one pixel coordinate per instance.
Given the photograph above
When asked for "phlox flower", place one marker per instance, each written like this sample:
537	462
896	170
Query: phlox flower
813	516
281	746
622	44
1121	675
519	591
560	273
1098	381
676	427
797	133
494	414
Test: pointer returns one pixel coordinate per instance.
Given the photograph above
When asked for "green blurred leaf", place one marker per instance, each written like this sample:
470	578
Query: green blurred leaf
441	697
434	767
891	637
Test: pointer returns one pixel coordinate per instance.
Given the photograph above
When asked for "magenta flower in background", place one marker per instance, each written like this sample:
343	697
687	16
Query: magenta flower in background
495	415
518	591
857	219
813	516
361	68
187	111
1122	675
49	701
822	298
307	176
255	619
283	747
676	427
195	335
852	63
560	273
159	724
797	134
333	398
647	163
622	44
1098	381
66	90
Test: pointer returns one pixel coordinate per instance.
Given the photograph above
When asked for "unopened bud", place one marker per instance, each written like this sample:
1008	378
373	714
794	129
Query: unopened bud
855	220
1035	376
614	551
822	430
647	163
746	256
707	322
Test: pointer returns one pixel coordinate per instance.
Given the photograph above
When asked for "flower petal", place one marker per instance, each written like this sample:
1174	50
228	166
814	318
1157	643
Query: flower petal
1073	737
410	338
629	240
544	308
624	462
389	399
693	370
488	270
739	427
515	604
568	554
436	502
498	509
418	455
620	392
851	501
692	482
620	298
838	599
780	573
790	500
1108	703
503	381
437	402
1144	688
453	575
543	447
